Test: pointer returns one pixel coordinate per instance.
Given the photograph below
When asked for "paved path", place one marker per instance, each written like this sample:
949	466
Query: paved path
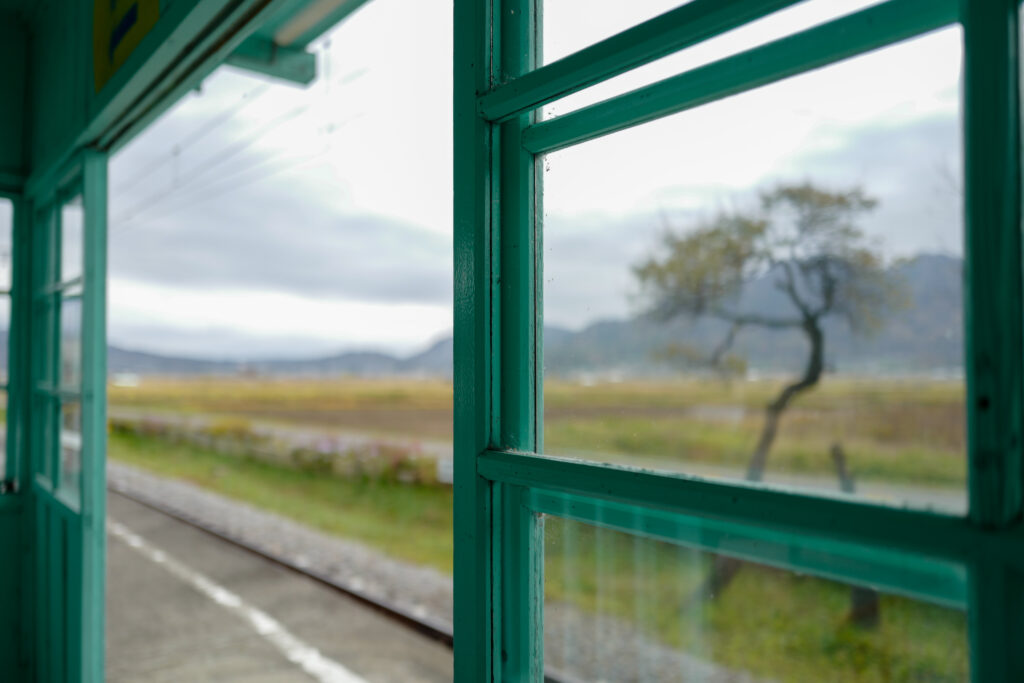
184	606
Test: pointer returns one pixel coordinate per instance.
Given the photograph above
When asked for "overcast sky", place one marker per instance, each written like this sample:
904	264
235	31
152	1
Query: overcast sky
260	219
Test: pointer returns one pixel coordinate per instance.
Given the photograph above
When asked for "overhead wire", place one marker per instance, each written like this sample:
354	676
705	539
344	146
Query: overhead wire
213	161
231	151
247	98
227	189
228	153
227	184
195	136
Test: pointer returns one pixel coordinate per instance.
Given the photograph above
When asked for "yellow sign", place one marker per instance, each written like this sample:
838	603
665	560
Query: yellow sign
118	26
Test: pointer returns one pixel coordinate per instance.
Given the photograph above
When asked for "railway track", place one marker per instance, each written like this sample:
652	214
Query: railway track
430	628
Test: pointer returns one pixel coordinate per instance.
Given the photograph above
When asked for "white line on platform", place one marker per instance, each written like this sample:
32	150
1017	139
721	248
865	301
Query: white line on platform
306	656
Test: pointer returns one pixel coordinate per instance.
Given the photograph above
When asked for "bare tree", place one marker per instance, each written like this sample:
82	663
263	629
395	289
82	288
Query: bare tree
804	241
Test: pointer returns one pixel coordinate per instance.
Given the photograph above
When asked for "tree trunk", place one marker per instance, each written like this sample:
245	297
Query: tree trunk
865	605
773	411
724	569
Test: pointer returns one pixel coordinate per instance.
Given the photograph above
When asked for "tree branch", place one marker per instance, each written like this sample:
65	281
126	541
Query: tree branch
725	344
789	287
755	319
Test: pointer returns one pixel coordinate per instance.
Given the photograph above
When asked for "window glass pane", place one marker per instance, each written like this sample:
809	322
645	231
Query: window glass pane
71	446
570	29
3	435
620	607
44	409
5	327
43	326
72	219
6	242
71	343
769	287
571	25
44	232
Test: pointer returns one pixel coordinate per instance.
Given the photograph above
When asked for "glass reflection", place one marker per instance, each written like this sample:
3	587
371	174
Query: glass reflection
619	607
771	297
3	433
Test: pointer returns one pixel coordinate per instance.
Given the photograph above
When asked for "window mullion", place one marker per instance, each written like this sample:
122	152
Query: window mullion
993	326
519	612
473	160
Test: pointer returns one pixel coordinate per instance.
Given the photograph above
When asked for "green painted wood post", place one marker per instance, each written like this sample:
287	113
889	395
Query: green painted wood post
993	321
521	543
496	363
18	407
94	417
473	339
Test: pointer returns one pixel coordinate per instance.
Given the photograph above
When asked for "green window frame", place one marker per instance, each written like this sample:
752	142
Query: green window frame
66	505
503	480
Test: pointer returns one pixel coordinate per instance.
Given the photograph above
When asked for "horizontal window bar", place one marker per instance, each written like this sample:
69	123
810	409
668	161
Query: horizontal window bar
913	576
816	47
667	33
943	537
48	389
56	287
67	504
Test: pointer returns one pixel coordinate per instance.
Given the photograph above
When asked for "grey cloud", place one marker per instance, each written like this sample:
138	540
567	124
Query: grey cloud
912	169
268	238
219	216
587	266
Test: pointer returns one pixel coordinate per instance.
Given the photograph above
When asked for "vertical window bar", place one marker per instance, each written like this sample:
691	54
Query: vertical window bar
94	415
521	531
993	320
472	378
992	261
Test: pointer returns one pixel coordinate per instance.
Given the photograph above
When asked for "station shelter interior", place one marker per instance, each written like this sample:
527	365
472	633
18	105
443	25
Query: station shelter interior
80	79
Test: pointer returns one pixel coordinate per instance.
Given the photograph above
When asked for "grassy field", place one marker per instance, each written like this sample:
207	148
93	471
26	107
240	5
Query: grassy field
769	622
411	523
891	430
772	623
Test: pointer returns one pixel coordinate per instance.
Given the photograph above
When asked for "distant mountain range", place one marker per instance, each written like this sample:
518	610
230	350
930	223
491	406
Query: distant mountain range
925	337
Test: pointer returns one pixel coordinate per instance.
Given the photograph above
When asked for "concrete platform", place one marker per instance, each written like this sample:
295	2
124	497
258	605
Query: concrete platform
184	606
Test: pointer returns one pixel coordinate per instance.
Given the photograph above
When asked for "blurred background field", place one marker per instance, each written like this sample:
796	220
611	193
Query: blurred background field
907	430
221	433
